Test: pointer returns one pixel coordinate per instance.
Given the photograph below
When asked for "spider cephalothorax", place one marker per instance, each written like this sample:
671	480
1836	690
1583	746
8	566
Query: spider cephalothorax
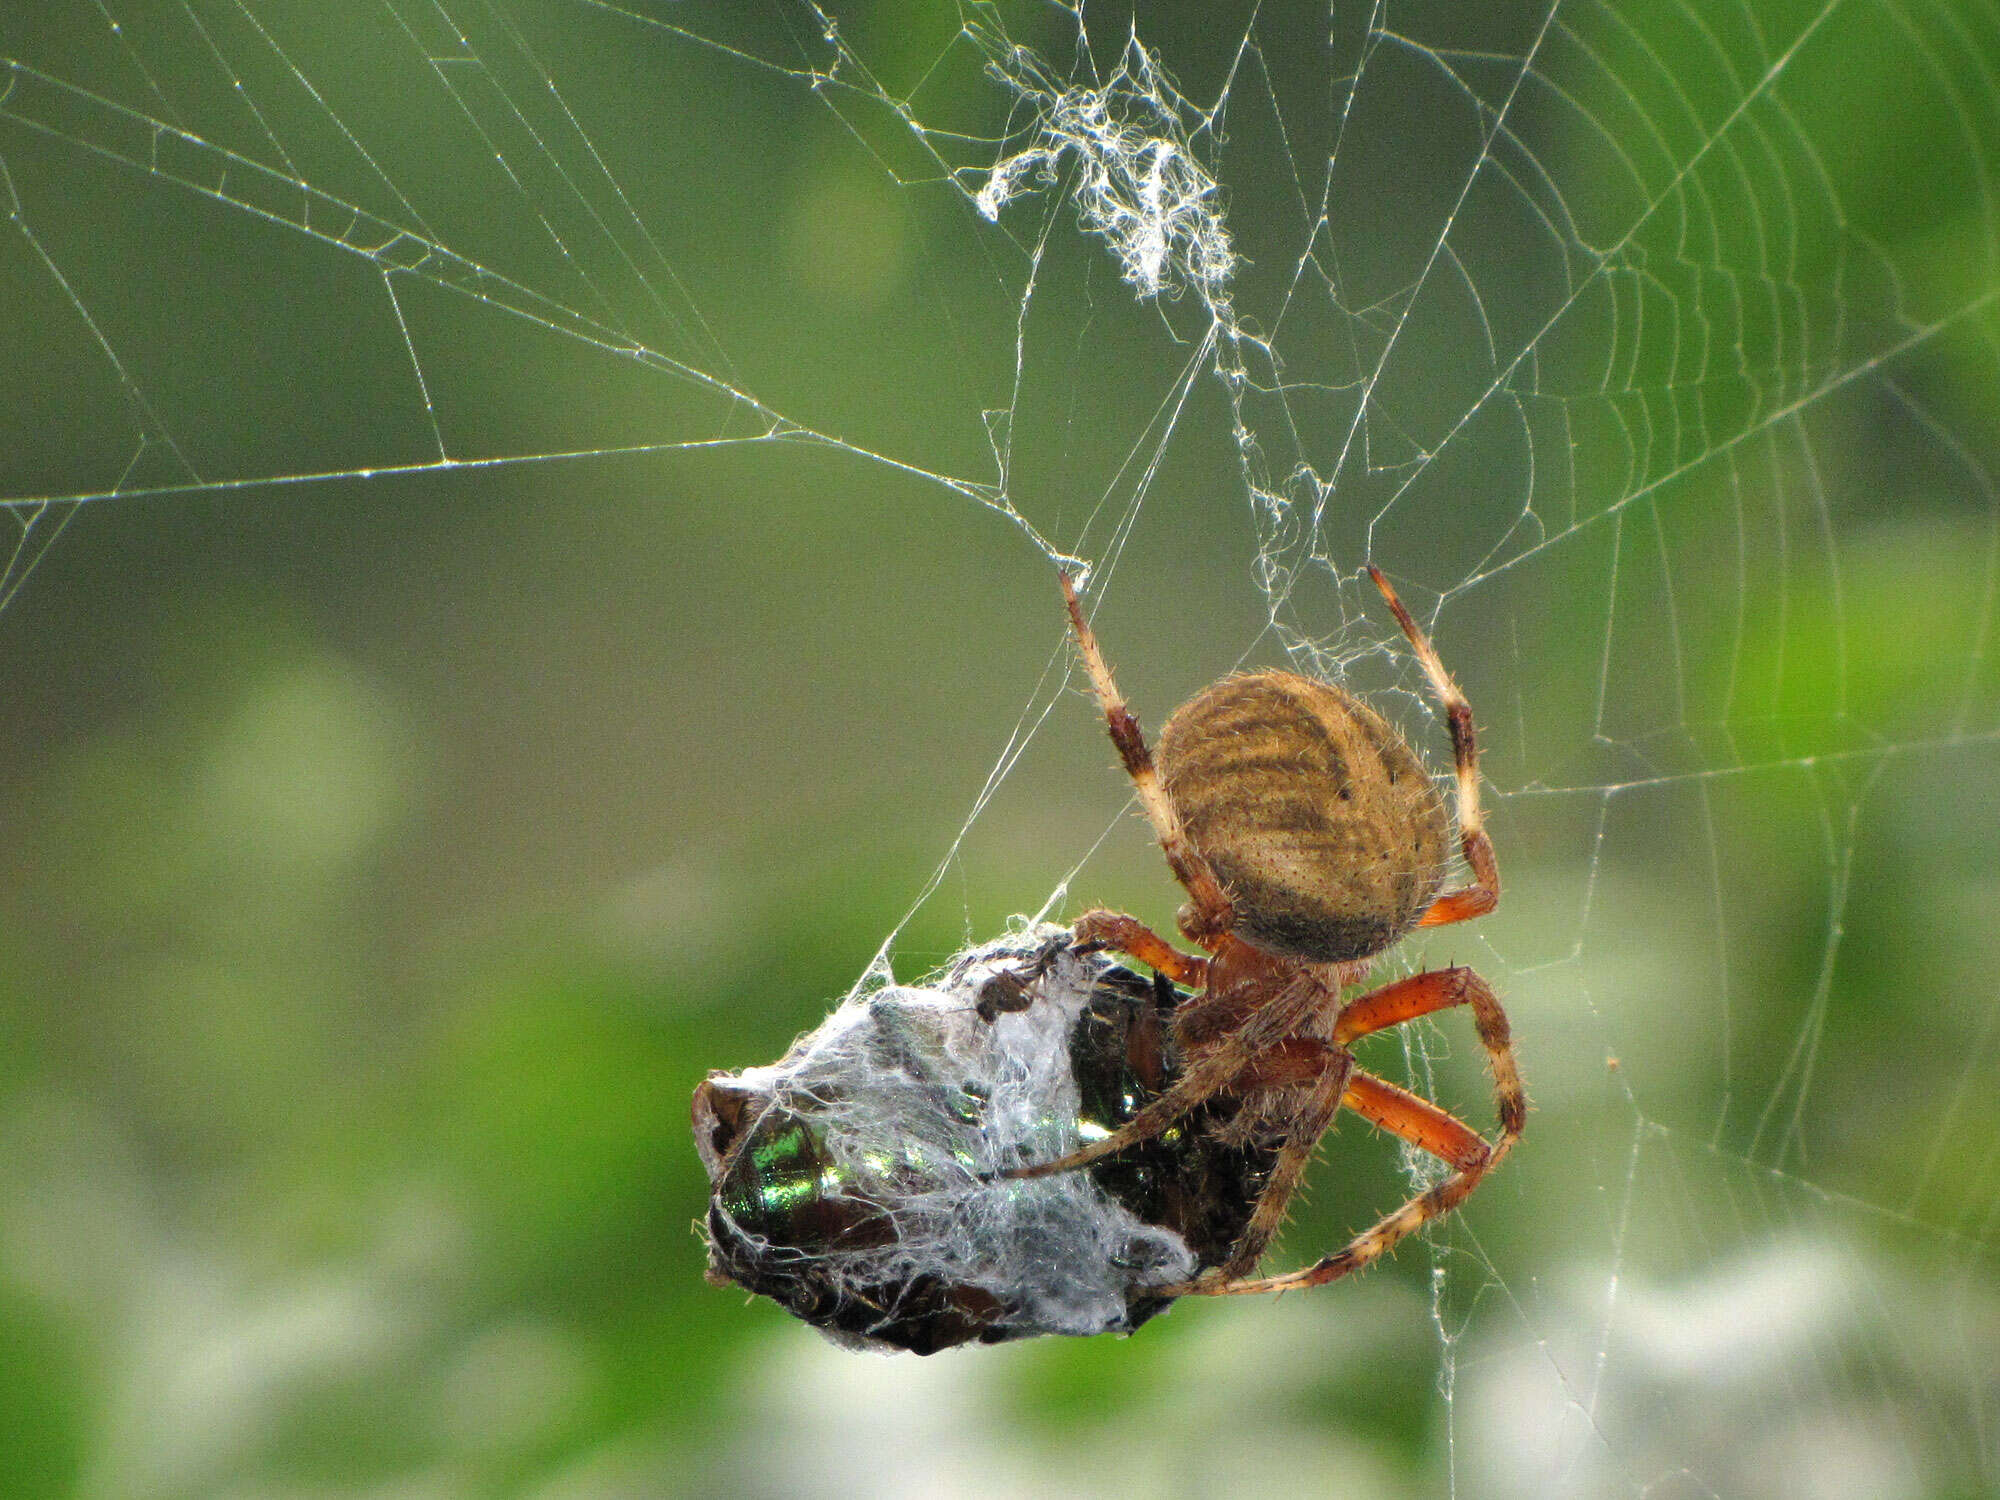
1309	839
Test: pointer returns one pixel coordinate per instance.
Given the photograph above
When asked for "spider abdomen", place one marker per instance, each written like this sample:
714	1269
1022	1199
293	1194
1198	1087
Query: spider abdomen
1321	823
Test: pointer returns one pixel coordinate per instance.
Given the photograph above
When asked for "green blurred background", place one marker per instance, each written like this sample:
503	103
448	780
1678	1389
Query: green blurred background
390	847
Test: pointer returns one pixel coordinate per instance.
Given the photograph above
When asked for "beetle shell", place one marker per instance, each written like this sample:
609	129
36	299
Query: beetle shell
799	1214
1320	822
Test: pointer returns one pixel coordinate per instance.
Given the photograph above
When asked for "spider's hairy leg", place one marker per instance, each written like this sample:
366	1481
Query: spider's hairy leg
1484	893
1203	1081
1208	914
1101	931
1442	989
1411	1118
1414	1120
1215	1069
1418	1121
1396	1110
1330	1090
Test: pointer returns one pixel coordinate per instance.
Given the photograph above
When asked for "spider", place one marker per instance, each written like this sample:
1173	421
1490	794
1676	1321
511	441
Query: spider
1309	839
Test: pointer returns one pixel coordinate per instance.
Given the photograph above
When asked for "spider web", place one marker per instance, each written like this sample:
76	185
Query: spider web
1650	349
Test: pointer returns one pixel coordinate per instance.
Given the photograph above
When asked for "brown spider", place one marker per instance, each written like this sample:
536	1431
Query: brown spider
1309	839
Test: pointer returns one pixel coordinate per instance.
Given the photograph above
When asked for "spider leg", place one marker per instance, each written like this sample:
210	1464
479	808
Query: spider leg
1208	1075
1201	1082
1403	1114
1330	1091
1100	931
1441	989
1208	914
1416	1121
1484	893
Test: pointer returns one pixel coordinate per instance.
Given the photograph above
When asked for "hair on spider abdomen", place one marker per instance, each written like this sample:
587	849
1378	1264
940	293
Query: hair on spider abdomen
1325	828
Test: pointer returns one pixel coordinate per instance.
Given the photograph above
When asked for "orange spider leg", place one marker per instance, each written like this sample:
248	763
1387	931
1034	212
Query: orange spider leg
1412	1119
1441	989
1100	930
1395	1110
1393	1004
1483	894
1372	1244
1208	914
1416	1120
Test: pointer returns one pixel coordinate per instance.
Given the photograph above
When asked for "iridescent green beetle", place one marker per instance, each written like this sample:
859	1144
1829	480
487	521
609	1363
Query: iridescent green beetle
856	1182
